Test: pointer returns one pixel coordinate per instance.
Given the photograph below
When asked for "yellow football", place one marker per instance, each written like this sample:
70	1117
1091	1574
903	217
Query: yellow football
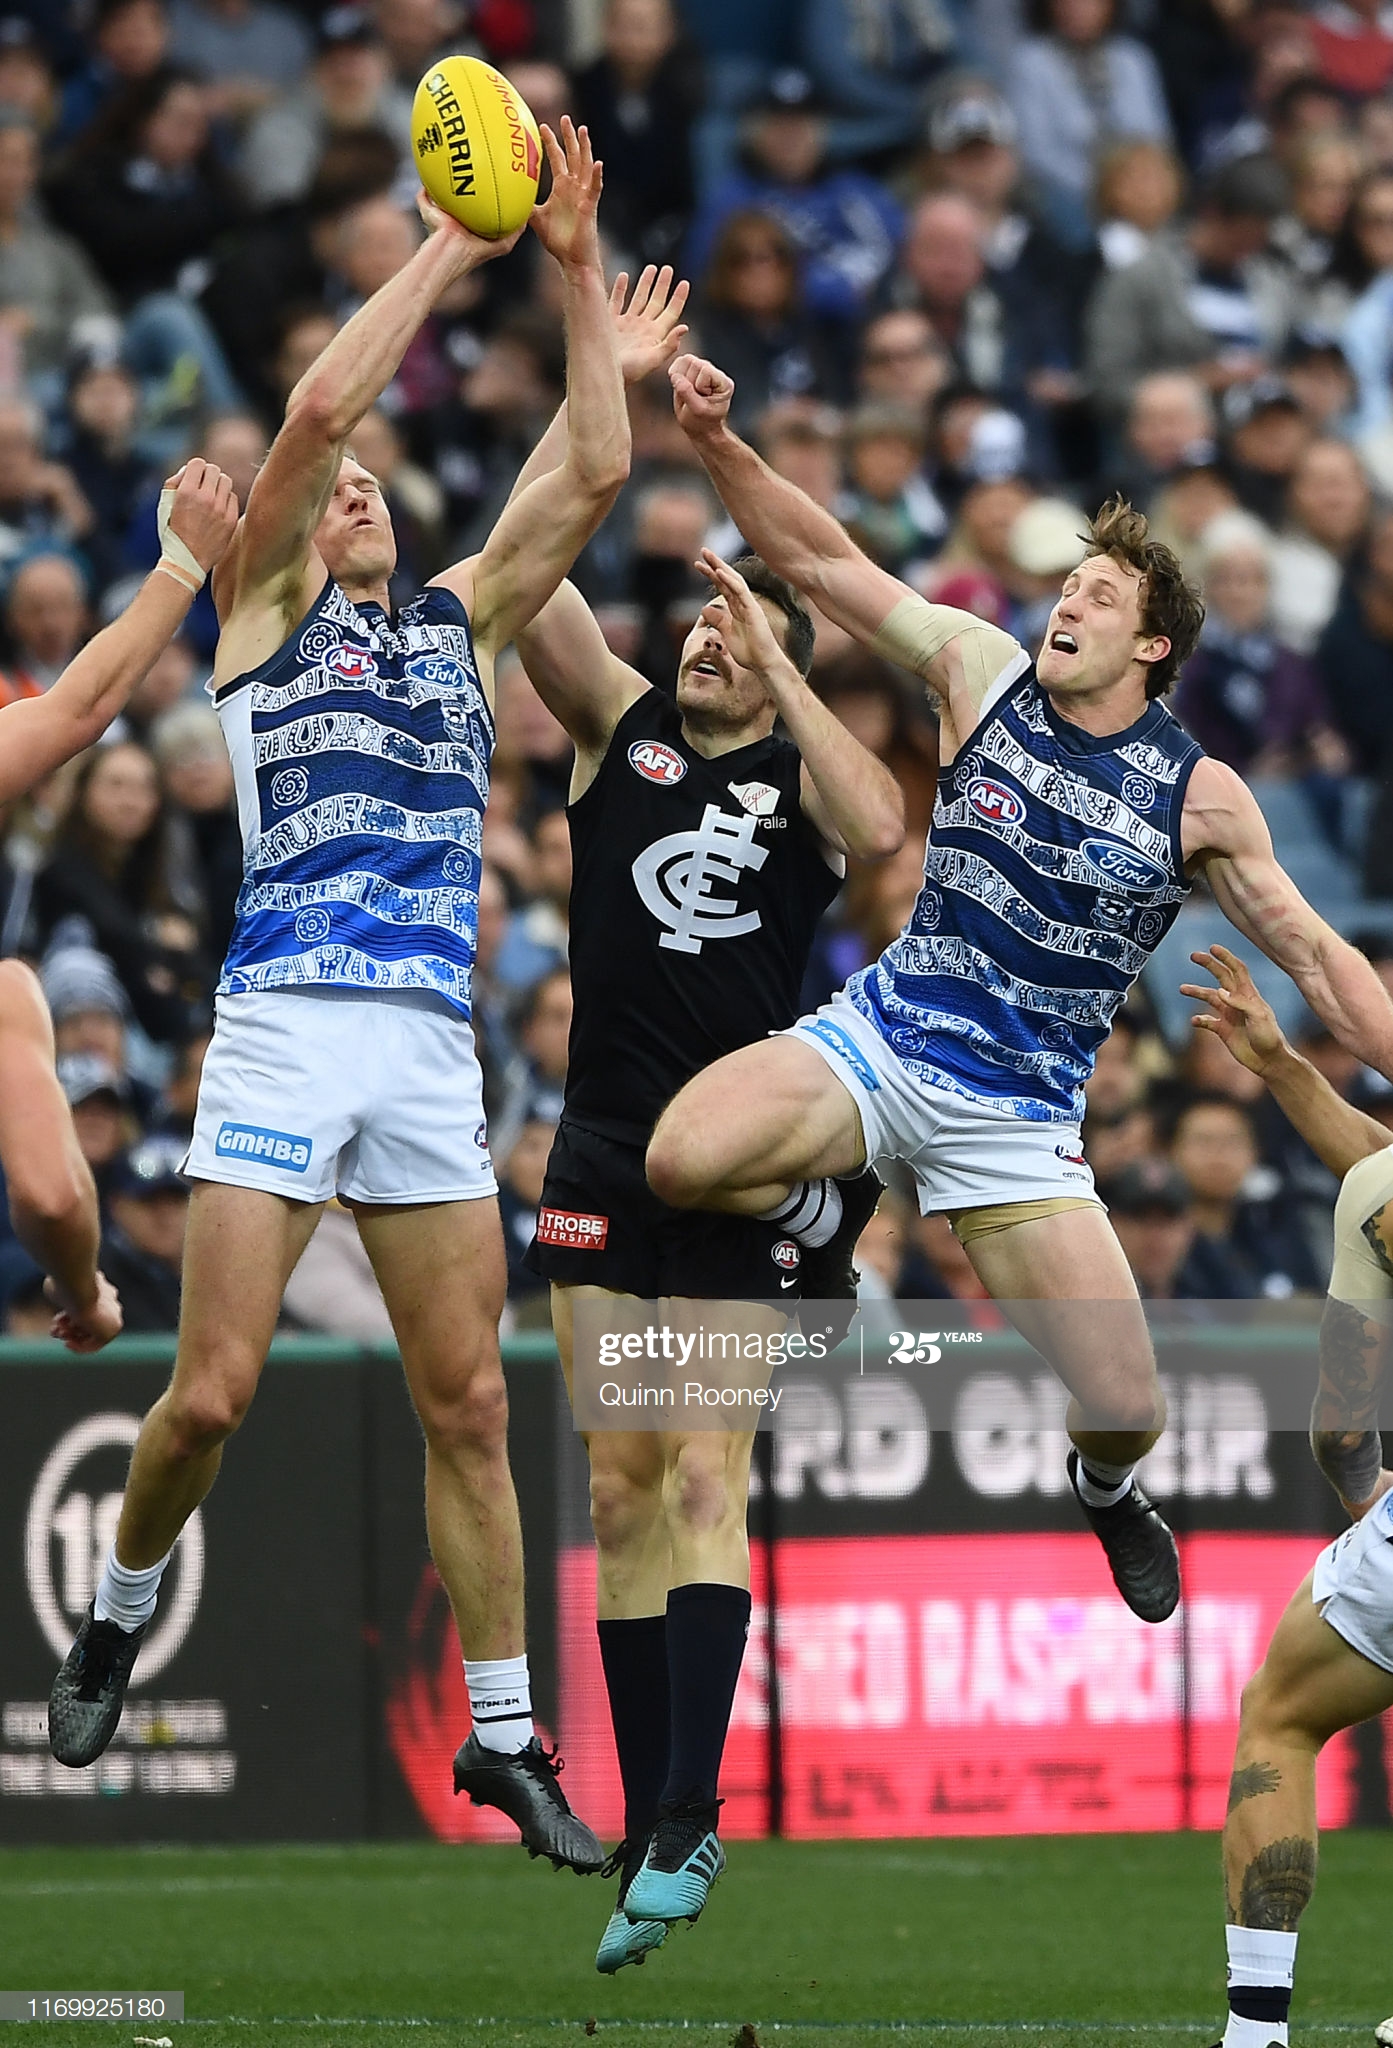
477	146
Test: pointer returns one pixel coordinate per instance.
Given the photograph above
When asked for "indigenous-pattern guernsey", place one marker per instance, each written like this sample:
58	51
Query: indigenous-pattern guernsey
1053	871
361	755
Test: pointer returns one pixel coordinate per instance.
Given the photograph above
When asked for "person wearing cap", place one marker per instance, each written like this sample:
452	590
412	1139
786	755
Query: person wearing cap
143	1247
1266	434
844	225
349	89
99	1097
1149	1207
1208	299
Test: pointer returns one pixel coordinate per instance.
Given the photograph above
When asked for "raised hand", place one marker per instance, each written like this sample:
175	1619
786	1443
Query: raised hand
566	225
647	330
1236	1013
741	620
204	513
701	395
472	249
88	1329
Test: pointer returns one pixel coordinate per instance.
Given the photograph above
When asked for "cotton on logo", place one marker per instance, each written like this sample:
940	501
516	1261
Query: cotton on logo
69	1530
994	802
656	763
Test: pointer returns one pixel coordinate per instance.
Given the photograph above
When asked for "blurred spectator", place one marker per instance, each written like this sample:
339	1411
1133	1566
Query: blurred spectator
638	99
532	751
252	50
980	538
99	1096
1170	428
1249	701
1324	176
1317	370
112	866
179	1096
1327	515
50	295
143	1246
884	710
1354	44
476	443
521	1179
873	64
751	321
1355	656
1267	435
170	679
889	1264
144	193
129	40
902	361
1046	543
333	1287
1245	1243
415	32
192	758
46	624
1184	508
937	1245
1073	87
672	519
1208	300
1139	189
349	88
103	416
888	507
943	272
1364	263
537	938
88	1005
535	1085
1150	1208
28	86
40	503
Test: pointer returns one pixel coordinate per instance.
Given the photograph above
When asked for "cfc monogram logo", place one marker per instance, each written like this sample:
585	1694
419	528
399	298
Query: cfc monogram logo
676	878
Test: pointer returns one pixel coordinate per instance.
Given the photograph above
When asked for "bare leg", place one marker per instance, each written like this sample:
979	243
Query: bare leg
442	1274
1311	1685
634	1557
1065	1283
706	1487
748	1128
241	1248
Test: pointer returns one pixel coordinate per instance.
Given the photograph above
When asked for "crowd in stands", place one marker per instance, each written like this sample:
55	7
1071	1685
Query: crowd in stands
974	265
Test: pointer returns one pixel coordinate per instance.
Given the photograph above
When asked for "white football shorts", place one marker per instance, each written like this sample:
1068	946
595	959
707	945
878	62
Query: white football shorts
1353	1585
313	1092
963	1155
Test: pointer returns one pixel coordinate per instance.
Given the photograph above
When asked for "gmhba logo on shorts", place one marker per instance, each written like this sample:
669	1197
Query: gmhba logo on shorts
251	1141
70	1527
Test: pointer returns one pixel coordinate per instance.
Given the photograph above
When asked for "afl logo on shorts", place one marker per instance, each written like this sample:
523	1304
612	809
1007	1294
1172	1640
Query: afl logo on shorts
1071	1153
787	1255
994	802
1118	863
656	763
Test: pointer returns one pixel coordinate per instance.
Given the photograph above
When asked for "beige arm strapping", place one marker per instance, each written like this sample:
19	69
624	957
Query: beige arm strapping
917	632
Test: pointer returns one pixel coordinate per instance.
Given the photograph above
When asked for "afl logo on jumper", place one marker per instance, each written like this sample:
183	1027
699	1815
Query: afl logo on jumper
353	662
994	802
656	763
1117	863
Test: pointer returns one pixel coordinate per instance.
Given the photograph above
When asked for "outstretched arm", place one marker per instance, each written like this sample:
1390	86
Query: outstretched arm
38	733
544	527
53	1203
958	655
1339	1134
276	570
1225	832
850	796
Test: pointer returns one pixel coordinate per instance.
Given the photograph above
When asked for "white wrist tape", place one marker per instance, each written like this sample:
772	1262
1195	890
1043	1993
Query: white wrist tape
176	556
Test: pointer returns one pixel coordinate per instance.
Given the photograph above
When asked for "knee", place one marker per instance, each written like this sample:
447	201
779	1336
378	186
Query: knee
676	1171
205	1413
470	1418
623	1506
698	1491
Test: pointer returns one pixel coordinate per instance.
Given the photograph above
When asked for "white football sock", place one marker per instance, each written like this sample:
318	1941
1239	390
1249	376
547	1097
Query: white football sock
127	1594
1262	1963
810	1211
1102	1486
500	1702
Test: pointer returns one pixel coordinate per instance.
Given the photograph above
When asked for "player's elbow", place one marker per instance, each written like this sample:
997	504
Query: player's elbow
45	1192
602	472
880	836
314	413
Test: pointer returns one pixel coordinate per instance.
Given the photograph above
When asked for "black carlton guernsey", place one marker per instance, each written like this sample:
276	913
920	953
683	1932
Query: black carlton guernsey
698	888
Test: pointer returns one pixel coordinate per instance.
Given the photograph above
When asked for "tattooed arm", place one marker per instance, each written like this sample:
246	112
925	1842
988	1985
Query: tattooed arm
1344	1416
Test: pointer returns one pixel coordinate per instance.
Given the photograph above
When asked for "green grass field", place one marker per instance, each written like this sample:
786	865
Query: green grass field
829	1945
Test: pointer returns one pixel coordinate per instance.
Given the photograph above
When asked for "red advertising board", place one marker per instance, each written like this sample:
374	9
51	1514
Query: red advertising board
972	1685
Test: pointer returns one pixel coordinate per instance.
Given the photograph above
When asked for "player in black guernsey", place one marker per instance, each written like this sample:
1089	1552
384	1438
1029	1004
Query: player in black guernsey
705	851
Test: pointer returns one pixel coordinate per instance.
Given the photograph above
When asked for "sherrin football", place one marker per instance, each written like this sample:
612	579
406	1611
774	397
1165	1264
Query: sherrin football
477	146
